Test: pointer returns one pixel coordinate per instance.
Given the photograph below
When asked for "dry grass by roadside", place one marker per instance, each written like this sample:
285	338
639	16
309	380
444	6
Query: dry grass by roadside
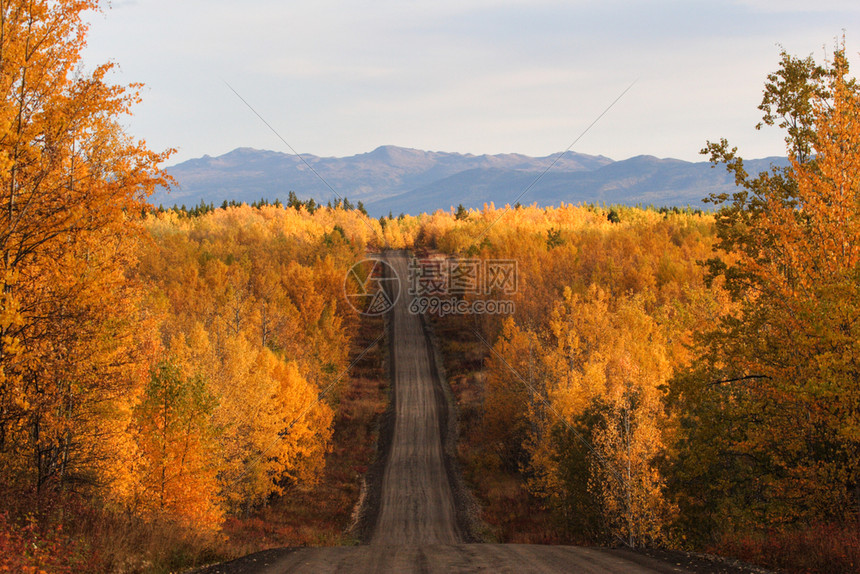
820	549
62	532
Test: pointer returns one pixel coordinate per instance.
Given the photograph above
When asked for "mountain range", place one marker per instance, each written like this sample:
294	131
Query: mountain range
404	180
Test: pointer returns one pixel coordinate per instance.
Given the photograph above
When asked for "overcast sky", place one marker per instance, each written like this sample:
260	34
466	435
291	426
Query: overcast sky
338	78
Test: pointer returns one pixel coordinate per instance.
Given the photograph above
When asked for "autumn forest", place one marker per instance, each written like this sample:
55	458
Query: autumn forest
676	378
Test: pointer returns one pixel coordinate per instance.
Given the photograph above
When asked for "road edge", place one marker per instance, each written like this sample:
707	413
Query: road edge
368	512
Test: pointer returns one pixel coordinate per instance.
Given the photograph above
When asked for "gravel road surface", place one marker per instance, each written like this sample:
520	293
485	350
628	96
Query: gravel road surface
416	505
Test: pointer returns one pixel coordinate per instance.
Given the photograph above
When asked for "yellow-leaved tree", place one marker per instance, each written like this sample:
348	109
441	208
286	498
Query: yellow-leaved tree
251	301
607	365
771	406
73	346
176	467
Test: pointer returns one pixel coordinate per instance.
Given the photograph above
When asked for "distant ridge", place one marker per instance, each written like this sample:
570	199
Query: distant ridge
405	180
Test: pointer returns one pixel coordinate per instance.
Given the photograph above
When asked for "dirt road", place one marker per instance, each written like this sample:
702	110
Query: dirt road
462	558
415	527
416	504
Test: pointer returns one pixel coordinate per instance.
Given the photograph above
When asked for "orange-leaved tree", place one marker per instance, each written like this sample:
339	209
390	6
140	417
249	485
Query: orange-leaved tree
771	407
175	471
72	187
607	364
252	301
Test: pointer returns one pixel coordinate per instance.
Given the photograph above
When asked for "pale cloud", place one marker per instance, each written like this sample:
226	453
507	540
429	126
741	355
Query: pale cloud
478	76
801	6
